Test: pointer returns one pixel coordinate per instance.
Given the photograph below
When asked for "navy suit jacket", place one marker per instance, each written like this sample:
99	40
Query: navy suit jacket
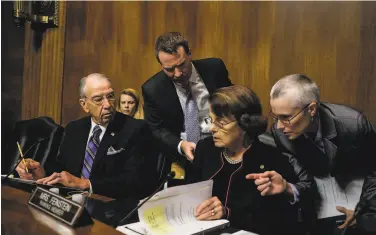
162	107
130	172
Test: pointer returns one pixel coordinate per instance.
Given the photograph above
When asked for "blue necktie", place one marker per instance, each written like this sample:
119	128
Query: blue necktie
91	150
192	126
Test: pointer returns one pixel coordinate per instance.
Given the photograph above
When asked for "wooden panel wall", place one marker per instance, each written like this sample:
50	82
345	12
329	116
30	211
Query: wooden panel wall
12	60
43	72
332	42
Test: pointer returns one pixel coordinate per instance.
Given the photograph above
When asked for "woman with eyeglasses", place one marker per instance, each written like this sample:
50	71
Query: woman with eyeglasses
336	143
238	163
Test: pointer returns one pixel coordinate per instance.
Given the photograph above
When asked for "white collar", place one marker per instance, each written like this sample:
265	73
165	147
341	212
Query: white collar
195	77
93	124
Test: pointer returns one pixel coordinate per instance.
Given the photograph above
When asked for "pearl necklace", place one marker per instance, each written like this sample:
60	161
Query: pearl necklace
229	160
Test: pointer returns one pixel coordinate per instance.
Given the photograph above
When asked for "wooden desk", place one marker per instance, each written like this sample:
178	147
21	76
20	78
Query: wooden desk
17	217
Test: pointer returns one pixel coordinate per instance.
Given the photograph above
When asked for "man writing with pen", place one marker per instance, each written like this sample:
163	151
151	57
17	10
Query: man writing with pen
102	152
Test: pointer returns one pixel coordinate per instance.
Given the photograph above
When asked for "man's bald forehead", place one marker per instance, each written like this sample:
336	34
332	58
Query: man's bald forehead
97	76
91	78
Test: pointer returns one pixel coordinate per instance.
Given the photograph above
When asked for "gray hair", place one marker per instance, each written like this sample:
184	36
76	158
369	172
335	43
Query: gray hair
299	87
97	76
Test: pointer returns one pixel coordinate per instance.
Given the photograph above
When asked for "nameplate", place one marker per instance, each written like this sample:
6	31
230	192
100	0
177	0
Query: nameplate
57	206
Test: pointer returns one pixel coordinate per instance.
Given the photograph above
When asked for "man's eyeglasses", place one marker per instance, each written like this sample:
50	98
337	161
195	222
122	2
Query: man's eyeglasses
286	121
220	123
98	100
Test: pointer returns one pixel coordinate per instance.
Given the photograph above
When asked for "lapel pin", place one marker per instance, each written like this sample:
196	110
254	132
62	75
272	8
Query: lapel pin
262	167
113	134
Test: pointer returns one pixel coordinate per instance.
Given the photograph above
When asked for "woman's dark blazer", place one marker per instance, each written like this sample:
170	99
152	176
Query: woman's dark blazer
247	209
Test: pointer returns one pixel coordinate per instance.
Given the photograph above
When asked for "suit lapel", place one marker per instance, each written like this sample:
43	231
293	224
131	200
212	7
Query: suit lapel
109	138
330	150
170	98
329	134
206	75
82	138
114	136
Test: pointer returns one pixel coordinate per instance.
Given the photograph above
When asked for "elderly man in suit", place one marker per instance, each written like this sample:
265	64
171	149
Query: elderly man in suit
331	140
103	152
176	98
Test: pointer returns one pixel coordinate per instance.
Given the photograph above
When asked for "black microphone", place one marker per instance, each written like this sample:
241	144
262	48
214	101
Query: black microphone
363	202
20	159
167	178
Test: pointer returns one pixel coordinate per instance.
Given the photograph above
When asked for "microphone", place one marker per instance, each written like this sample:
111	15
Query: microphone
167	178
20	159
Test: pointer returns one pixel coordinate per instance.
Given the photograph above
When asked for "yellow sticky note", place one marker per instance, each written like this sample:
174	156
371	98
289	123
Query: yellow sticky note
156	221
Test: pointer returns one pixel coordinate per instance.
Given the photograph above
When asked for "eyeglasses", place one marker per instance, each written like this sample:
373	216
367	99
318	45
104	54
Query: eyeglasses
220	123
98	100
284	120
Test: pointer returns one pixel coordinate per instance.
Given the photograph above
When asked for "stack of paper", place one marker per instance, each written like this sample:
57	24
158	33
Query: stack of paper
333	195
172	210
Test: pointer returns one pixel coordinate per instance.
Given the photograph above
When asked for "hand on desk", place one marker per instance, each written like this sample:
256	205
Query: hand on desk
66	179
36	171
270	183
210	209
349	216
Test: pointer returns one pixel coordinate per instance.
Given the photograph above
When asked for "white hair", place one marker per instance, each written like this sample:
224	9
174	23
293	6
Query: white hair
300	89
97	76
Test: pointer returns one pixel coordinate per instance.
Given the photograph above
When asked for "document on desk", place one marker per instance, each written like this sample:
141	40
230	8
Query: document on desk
333	195
171	212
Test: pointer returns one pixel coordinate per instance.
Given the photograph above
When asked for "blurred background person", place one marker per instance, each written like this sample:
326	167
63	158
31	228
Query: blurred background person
130	103
255	186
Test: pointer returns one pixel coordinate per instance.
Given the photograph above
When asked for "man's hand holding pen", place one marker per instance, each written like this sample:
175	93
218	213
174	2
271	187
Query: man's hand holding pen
35	170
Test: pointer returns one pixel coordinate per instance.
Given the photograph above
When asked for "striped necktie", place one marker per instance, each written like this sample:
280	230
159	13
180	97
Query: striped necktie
192	126
91	150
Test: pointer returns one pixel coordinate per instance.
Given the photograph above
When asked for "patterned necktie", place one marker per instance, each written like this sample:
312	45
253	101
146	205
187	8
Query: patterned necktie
91	150
192	126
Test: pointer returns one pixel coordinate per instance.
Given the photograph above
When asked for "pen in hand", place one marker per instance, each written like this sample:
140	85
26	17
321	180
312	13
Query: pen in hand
22	156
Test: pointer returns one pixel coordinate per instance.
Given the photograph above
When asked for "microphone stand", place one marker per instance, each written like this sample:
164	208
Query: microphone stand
168	177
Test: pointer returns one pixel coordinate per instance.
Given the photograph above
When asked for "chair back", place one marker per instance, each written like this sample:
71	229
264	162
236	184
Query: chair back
39	139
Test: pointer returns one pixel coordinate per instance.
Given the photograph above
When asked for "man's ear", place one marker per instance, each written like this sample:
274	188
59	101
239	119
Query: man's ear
84	105
312	108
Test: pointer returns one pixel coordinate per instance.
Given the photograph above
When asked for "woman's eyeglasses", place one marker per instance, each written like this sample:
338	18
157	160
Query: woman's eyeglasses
219	123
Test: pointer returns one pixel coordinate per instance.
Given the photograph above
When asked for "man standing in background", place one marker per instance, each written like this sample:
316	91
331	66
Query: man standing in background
176	98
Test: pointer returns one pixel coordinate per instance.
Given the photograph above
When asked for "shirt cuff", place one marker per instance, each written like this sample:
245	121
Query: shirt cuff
179	149
296	194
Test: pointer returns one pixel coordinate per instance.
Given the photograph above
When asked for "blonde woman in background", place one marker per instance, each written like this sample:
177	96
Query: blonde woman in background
130	103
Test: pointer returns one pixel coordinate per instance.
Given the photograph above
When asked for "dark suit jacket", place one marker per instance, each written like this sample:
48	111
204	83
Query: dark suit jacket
349	141
248	209
127	173
162	107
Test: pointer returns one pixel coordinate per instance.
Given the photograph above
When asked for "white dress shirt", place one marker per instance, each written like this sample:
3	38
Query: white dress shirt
200	94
